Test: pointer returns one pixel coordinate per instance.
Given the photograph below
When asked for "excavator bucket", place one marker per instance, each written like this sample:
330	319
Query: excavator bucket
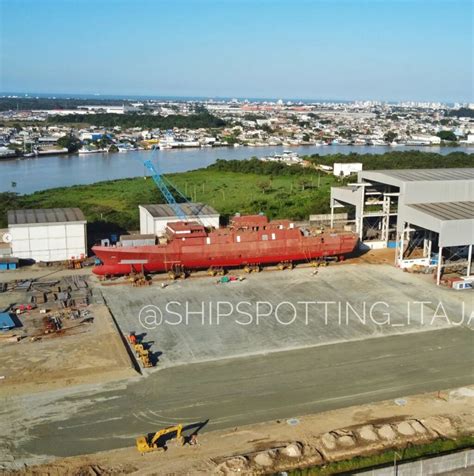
142	445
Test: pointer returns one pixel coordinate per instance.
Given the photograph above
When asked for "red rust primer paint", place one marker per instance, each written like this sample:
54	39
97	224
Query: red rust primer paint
249	240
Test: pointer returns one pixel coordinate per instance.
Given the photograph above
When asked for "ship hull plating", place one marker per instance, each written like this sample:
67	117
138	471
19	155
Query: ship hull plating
222	249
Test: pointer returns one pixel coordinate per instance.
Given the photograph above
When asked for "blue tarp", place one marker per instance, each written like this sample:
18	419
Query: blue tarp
6	322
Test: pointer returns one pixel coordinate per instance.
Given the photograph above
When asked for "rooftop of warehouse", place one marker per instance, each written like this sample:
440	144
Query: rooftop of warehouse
189	209
448	210
45	215
421	175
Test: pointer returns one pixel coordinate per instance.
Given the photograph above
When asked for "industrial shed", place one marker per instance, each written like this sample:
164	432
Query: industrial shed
424	213
153	218
55	234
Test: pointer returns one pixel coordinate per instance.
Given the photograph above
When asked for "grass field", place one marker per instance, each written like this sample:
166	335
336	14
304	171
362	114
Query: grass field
115	203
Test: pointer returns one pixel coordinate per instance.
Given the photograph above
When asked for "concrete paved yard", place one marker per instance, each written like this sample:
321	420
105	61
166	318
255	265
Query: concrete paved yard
230	393
295	309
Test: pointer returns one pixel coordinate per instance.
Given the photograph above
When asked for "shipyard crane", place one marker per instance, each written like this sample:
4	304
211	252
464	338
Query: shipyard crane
158	179
163	186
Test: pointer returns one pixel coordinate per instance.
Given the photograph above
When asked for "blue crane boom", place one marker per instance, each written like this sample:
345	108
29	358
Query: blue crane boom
165	190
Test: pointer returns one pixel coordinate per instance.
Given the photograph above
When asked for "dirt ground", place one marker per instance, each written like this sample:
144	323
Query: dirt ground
382	256
89	353
95	353
419	418
38	272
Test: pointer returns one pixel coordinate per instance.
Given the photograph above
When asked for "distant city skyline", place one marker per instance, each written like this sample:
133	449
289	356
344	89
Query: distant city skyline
393	50
151	97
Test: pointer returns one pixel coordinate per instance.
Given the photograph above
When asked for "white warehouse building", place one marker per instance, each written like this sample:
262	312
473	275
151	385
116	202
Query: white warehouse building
56	234
153	218
343	169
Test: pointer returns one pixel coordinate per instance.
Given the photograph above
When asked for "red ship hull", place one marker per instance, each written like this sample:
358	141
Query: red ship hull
224	248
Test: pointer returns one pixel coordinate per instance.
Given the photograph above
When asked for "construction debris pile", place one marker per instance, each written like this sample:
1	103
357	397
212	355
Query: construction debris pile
49	307
68	292
338	445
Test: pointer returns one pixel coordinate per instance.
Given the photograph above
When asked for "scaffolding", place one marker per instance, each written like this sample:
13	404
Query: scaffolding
374	209
417	229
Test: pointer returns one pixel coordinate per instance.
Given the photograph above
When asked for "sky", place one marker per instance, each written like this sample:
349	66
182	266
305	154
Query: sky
419	50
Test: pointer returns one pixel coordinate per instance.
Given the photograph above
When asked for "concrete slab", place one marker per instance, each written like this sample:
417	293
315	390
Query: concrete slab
198	320
235	392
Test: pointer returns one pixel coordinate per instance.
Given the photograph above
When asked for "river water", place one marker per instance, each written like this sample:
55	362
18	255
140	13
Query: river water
52	171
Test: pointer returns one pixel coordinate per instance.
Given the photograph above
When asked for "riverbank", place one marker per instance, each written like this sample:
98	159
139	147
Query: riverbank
229	186
34	174
114	204
455	147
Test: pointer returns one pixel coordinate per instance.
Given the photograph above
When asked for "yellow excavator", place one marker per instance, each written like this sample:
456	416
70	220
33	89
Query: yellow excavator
150	442
143	354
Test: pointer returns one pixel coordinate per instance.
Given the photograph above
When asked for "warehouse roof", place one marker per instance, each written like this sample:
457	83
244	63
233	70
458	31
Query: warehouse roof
45	215
447	211
419	175
189	209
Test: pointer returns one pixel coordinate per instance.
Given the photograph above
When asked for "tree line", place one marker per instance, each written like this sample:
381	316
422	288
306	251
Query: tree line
259	167
27	104
144	121
410	159
461	112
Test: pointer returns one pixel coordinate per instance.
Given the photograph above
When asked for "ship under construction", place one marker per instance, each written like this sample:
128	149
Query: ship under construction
250	240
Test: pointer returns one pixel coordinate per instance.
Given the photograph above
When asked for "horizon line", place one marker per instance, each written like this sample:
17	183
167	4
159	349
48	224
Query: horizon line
51	95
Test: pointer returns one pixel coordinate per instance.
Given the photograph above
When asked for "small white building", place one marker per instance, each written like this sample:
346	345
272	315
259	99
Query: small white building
426	139
153	218
346	169
56	234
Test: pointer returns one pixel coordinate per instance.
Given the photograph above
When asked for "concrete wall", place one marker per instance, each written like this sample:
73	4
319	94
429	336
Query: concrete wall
373	245
147	224
49	242
437	465
326	217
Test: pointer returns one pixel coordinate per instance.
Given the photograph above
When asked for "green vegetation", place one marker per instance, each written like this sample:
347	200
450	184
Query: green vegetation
231	139
26	104
256	166
387	457
116	202
245	186
390	136
447	135
70	142
462	112
193	121
411	159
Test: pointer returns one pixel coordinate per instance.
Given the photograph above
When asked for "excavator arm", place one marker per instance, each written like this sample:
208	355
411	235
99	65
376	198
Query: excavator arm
144	444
